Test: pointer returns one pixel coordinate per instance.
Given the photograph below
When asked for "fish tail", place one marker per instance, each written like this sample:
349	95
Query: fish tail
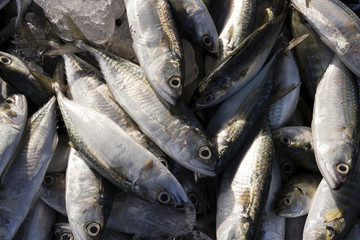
76	33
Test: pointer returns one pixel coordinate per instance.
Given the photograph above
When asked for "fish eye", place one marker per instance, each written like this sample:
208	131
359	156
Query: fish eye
208	99
204	152
49	180
164	162
66	236
288	167
5	60
286	140
164	197
93	229
287	201
206	40
342	168
194	198
9	101
175	82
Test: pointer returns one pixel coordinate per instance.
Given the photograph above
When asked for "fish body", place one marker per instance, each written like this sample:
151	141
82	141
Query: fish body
117	157
157	46
337	26
21	184
13	118
336	138
244	189
296	195
88	199
194	20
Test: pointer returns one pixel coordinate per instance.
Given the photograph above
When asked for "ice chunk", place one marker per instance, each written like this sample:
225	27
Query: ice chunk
96	18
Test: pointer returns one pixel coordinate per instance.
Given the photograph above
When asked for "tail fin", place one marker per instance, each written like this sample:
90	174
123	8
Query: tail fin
76	33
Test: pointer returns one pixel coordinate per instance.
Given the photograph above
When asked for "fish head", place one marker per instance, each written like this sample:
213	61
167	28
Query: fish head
332	225
13	110
288	138
167	79
195	149
158	185
209	93
63	231
335	162
193	190
87	230
206	35
10	63
292	202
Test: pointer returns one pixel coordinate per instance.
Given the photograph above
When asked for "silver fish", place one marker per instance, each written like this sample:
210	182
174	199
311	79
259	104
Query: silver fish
23	180
13	116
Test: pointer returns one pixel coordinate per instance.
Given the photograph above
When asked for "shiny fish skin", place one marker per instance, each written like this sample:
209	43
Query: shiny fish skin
86	86
151	221
13	116
272	226
337	26
234	119
239	67
195	22
312	54
23	180
19	76
178	137
239	24
53	191
88	199
244	189
286	75
157	46
296	142
336	138
59	160
116	156
296	195
333	213
38	223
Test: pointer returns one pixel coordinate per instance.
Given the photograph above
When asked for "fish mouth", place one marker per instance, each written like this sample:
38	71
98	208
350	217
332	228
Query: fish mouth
202	168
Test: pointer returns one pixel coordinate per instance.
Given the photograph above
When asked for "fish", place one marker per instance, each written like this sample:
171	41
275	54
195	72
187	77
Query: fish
13	118
336	139
244	188
337	27
234	119
195	22
53	191
239	24
157	46
88	198
313	55
333	213
87	87
116	156
181	139
296	142
18	76
272	226
296	195
286	74
38	223
59	160
237	70
23	179
133	215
